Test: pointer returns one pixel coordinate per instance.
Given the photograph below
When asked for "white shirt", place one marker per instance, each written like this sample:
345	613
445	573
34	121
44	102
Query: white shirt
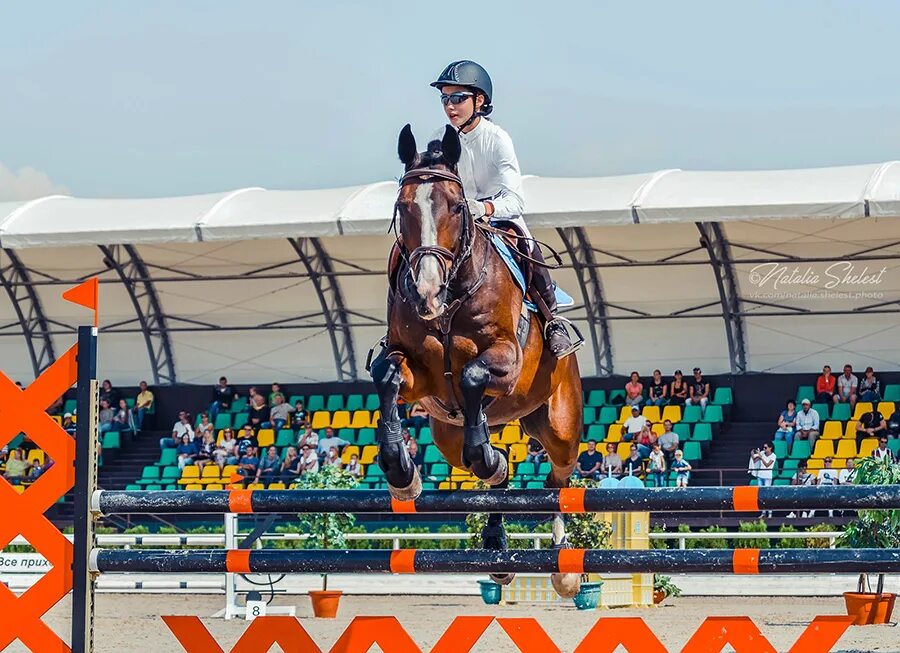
766	464
490	170
828	476
635	424
657	461
846	476
181	428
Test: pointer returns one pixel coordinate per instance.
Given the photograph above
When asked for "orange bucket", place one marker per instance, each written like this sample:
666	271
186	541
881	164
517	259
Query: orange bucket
865	609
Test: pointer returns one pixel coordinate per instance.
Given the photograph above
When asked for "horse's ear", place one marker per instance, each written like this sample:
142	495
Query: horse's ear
450	146
406	146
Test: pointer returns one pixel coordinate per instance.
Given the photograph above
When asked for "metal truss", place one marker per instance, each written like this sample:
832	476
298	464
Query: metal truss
319	268
581	255
133	274
16	279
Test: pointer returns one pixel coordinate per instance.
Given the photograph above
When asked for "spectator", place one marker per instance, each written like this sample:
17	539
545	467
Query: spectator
657	465
246	438
698	391
310	460
292	466
634	391
186	451
802	477
847	384
143	403
276	392
259	413
280	414
57	406
644	440
404	433
222	396
123	418
181	427
16	468
668	442
269	467
682	469
828	475
353	468
226	452
248	463
418	417
27	445
4	453
301	417
206	451
415	454
807	424
106	418
787	424
848	474
108	393
68	424
309	437
825	386
762	464
658	390
589	461
634	464
536	454
894	423
871	425
204	427
633	424
678	390
882	450
330	440
612	463
333	458
869	387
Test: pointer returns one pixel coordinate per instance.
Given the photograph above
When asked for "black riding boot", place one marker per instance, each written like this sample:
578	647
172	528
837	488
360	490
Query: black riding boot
555	332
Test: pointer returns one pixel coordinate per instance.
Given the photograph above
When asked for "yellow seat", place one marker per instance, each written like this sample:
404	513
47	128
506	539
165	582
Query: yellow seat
18	489
815	463
824	449
36	456
517	452
658	429
582	448
886	408
57	419
374	423
511	433
867	446
456	473
210	475
624	450
850	429
625	413
832	430
215	486
361	419
671	413
861	408
839	463
228	470
193	486
467	485
651	413
321	419
277	486
501	446
348	451
220	436
846	449
265	437
340	419
190	474
256	486
368	455
447	485
614	433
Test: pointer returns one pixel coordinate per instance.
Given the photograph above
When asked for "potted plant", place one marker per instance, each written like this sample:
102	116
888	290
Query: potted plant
586	531
873	529
326	531
663	588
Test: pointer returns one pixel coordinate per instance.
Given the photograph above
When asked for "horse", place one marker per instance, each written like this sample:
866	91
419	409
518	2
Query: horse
453	343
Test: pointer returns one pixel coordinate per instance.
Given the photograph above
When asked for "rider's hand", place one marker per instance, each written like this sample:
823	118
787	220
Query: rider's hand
477	209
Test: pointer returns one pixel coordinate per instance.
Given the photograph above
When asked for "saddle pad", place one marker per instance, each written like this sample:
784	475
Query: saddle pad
563	299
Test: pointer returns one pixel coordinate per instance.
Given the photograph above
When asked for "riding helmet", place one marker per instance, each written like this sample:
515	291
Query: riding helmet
466	73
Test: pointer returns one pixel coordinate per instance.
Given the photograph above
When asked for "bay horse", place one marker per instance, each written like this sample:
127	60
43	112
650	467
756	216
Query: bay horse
452	345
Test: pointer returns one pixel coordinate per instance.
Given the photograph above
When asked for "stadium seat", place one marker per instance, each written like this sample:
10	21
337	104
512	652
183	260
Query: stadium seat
149	475
624	413
891	393
367	436
168	456
70	406
672	413
861	408
651	413
423	435
314	403
615	394
702	432
190	474
223	421
840	412
361	419
228	470
582	447
683	431
824	449
850	430
112	440
692	451
596	398
376	415
432	454
354	402
723	397
658	428
692	414
867	446
887	408
240	419
193	487
781	451
713	415
171	474
285	438
894	445
614	433
517	452
340	419
321	419
624	450
607	415
789	466
372	402
805	392
800	449
511	433
596	432
368	455
845	449
334	403
823	410
210	475
265	437
447	485
815	464
293	399
590	414
348	451
832	430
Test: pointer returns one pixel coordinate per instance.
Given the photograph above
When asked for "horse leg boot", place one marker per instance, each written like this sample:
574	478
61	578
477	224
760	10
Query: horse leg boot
566	585
555	332
402	476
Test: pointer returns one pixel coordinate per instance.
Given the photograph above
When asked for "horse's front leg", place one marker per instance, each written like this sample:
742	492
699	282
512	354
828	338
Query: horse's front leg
389	373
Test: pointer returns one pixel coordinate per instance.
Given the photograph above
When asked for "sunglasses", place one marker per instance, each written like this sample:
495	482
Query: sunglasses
455	98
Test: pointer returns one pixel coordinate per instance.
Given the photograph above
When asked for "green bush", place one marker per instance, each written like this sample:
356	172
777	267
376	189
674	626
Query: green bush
753	527
788	543
819	542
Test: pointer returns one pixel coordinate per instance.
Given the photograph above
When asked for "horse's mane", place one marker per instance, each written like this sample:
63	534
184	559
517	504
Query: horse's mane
433	157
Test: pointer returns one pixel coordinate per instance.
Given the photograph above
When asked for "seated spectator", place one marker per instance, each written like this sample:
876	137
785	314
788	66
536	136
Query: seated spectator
68	424
658	390
330	440
847	384
871	425
308	436
248	463
645	440
634	464
787	424
246	438
292	467
143	403
869	387
418	417
612	462
633	424
825	386
678	390
226	452
353	468
588	463
56	407
807	424
186	451
332	459
656	465
682	469
300	417
698	391
222	396
206	450
204	427
123	418
802	476
848	474
415	454
108	394
27	445
828	475
668	442
893	423
310	458
16	467
106	418
259	412
762	465
882	450
181	427
4	453
536	454
269	467
404	433
280	414
276	392
634	391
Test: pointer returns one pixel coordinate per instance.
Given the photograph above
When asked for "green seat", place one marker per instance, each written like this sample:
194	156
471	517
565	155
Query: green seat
295	398
150	475
429	485
129	401
692	451
365	436
723	397
608	415
334	403
72	404
423	436
168	456
153	487
544	469
112	440
133	488
373	471
596	398
354	402
439	470
223	421
891	393
781	451
894	445
524	469
285	438
841	412
172	486
789	466
823	410
171	473
702	432
781	481
314	403
372	403
800	450
432	454
534	485
596	432
691	414
682	430
239	405
805	392
347	434
615	394
240	419
713	414
590	415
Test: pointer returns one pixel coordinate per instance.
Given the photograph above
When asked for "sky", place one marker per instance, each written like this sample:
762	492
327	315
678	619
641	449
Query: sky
149	99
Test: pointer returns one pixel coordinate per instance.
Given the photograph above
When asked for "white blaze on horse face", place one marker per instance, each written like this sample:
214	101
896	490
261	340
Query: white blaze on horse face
428	281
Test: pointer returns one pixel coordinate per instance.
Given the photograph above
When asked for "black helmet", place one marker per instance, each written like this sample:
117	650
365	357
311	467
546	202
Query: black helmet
467	73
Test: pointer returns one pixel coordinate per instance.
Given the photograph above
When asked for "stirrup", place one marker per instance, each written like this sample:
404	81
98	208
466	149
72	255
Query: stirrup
382	342
565	323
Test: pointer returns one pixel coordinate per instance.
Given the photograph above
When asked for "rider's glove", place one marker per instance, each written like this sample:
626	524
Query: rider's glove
477	209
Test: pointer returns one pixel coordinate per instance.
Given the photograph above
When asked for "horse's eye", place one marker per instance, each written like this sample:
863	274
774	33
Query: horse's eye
459	208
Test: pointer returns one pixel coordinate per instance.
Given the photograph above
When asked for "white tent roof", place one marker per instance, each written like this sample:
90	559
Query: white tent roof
251	213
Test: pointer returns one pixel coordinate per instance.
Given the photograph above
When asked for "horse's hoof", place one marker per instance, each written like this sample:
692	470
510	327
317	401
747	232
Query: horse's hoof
411	491
502	579
502	473
493	538
566	585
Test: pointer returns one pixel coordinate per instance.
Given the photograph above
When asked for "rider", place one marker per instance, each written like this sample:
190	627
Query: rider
491	178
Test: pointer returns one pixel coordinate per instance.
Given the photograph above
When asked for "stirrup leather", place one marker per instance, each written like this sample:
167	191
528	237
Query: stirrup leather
566	324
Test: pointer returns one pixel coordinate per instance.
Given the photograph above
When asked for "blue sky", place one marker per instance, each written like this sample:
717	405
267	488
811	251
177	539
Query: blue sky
113	99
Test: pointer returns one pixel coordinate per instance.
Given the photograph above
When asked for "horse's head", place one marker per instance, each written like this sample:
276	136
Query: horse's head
435	225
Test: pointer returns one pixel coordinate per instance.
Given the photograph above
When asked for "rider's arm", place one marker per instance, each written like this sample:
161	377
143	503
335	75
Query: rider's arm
510	201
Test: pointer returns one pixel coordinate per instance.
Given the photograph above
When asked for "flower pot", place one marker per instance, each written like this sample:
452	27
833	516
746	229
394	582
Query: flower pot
588	597
491	592
325	603
659	596
866	610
